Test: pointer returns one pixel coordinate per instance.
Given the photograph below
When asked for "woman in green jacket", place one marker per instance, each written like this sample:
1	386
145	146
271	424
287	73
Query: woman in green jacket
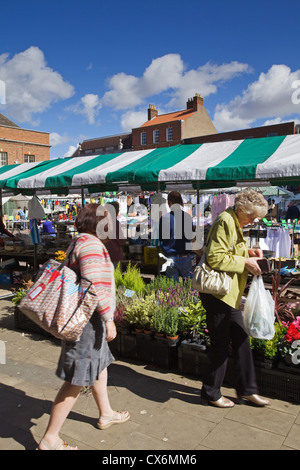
227	251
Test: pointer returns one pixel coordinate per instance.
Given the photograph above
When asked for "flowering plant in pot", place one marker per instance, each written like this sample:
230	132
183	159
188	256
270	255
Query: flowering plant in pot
289	343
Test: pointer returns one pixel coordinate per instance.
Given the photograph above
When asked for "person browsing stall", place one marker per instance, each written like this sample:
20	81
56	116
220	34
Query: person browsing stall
176	235
114	245
227	251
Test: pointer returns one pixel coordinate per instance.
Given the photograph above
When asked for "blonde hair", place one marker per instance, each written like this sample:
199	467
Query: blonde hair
251	202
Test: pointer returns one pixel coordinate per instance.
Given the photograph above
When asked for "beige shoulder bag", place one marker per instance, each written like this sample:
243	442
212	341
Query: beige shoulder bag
208	281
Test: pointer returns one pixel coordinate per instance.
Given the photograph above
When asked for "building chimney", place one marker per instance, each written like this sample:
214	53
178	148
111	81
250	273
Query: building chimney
195	103
152	112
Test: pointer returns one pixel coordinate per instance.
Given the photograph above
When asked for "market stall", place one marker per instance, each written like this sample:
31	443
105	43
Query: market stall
262	162
196	167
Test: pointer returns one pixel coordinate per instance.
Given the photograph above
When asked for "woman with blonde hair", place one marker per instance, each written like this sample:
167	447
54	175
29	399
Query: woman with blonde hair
227	251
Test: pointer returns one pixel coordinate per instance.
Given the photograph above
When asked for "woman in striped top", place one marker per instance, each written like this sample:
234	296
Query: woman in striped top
85	362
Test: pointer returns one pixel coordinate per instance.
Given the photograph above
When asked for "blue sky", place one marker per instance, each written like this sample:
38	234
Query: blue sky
82	70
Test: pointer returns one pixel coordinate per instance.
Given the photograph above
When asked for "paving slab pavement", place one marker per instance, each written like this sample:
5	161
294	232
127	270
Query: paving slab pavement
166	414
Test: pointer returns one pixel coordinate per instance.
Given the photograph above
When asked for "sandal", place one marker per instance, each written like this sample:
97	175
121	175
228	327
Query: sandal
59	445
118	417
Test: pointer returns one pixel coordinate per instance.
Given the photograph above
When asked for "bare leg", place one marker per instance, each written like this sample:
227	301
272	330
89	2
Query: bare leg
107	415
64	402
100	395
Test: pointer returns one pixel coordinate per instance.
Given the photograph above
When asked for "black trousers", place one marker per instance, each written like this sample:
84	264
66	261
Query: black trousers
225	327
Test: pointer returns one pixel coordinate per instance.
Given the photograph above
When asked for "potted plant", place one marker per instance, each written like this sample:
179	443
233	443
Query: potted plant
165	351
171	323
289	343
283	308
159	320
139	312
265	352
131	279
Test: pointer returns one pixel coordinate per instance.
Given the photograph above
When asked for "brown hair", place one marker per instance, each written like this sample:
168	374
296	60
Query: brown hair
174	197
87	219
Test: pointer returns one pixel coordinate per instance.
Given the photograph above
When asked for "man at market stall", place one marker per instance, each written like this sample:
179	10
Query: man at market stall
293	212
48	227
176	235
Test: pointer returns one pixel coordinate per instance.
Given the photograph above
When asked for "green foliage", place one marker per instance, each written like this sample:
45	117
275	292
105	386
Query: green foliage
161	283
19	294
159	319
140	311
193	319
130	279
268	348
118	277
171	321
166	320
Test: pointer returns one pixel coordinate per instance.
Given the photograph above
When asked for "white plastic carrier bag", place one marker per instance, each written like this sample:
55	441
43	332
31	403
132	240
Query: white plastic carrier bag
258	315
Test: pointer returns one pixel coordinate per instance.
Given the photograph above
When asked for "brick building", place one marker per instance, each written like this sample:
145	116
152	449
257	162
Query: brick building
19	145
285	128
190	126
172	128
102	145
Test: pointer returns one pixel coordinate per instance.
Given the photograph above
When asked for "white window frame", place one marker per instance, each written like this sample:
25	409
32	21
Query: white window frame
28	158
3	158
156	136
169	134
143	138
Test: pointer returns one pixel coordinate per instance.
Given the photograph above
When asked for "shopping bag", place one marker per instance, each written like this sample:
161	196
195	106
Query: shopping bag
60	301
258	314
207	281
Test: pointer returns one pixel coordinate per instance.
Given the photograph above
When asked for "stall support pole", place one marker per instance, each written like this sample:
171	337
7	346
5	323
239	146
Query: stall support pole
82	197
35	258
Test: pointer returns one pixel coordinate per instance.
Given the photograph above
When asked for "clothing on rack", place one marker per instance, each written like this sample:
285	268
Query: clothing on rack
278	240
220	203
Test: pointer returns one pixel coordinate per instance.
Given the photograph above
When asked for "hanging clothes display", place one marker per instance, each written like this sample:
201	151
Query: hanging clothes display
220	203
277	240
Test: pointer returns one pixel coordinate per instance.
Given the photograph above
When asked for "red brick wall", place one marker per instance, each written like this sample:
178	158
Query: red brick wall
136	136
255	132
19	142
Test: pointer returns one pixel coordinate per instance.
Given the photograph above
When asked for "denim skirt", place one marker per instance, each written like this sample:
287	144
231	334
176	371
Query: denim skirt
81	362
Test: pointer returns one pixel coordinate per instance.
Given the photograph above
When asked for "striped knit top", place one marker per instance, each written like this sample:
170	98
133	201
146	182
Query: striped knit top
91	258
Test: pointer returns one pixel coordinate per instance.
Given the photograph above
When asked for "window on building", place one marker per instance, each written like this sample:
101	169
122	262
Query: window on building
143	138
169	135
3	158
272	134
156	136
29	158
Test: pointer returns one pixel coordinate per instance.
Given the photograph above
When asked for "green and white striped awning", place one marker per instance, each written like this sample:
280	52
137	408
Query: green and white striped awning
210	165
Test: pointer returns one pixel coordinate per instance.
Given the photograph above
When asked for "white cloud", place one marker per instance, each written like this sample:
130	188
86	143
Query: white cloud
70	151
31	86
168	74
88	106
57	139
133	119
269	97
